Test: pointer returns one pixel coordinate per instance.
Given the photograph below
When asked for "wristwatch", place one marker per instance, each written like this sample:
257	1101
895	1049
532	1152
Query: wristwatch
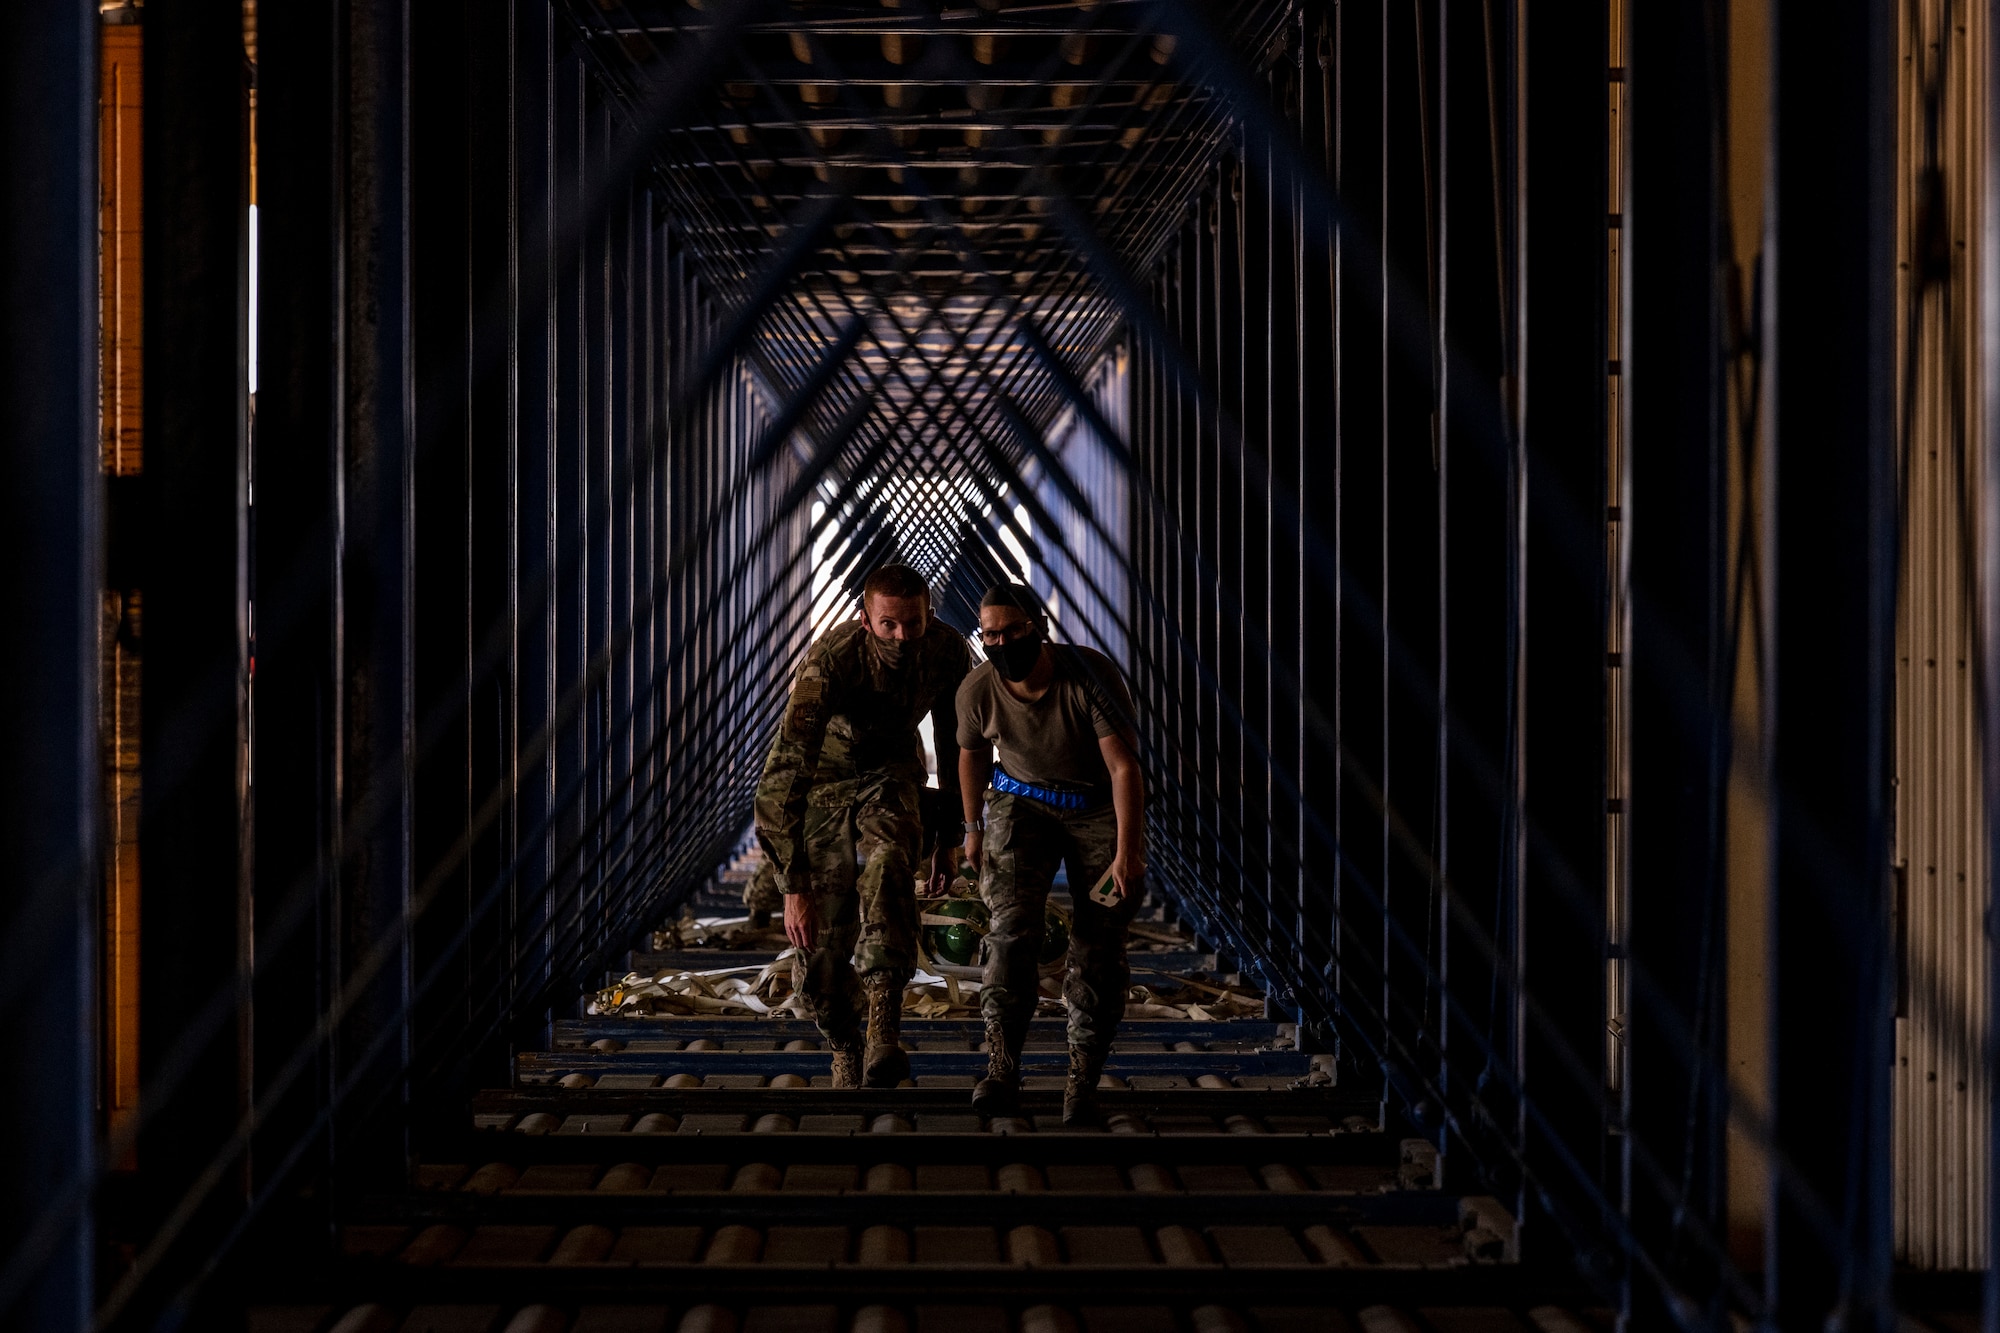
974	826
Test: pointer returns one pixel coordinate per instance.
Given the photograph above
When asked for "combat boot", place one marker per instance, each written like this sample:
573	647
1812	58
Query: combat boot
999	1093
1086	1065
886	1064
847	1066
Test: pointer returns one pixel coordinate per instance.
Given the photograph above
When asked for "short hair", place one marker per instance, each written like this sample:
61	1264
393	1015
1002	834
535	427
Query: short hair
895	581
1021	598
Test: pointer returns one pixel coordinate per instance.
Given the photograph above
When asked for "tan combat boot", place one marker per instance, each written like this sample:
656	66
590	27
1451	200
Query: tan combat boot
839	1027
1086	1065
847	1066
886	1063
999	1093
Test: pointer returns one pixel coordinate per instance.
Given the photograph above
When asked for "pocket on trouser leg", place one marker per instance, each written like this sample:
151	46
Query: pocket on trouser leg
1100	974
1011	974
888	927
1005	985
1096	996
827	971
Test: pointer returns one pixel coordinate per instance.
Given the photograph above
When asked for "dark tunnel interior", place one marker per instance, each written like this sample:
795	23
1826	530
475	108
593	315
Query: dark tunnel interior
1528	465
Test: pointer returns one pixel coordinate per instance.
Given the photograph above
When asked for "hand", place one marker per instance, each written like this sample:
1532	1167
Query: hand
944	868
975	844
802	920
1127	870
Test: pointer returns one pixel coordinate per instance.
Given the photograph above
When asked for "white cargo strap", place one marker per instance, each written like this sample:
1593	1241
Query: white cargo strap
929	919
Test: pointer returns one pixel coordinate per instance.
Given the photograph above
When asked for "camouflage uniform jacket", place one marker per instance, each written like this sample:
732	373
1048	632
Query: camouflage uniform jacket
844	687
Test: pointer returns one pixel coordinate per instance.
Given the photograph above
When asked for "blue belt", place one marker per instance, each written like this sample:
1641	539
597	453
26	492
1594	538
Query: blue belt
1061	800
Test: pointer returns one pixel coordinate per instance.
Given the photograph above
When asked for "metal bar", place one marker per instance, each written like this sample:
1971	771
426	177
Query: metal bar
1495	1285
1562	388
298	446
376	523
1474	531
1681	672
533	230
194	766
444	477
1829	373
50	501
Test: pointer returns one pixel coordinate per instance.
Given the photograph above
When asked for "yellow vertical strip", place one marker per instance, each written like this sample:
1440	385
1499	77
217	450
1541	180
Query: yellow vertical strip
120	276
120	271
1747	803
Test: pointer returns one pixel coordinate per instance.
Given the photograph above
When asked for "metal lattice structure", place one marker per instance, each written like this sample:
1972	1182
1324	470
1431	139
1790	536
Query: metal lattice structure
1504	532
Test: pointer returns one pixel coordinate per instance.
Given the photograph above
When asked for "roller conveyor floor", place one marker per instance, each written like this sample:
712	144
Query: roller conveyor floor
697	1173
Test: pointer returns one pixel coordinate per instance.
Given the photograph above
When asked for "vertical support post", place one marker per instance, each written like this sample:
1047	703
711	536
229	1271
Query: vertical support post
194	761
1984	511
532	439
1830	266
375	621
1409	550
493	356
297	794
569	493
443	322
1565	363
49	548
1474	438
121	272
1360	357
1680	664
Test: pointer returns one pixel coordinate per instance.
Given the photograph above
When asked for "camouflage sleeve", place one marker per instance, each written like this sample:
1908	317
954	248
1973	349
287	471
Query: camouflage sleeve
789	771
944	721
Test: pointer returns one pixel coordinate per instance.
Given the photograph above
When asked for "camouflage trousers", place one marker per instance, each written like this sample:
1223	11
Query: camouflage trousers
1025	841
861	837
762	893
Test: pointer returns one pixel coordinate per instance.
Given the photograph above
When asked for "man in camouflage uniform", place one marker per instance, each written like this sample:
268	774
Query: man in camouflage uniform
843	784
1067	790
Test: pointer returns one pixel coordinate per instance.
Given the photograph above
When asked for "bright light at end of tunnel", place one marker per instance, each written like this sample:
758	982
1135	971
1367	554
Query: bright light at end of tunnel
1015	549
1013	543
826	598
820	543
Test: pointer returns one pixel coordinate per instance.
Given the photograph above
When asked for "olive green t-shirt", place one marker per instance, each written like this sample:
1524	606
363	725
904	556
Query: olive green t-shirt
1053	739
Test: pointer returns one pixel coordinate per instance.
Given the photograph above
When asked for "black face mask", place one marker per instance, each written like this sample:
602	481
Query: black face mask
1016	658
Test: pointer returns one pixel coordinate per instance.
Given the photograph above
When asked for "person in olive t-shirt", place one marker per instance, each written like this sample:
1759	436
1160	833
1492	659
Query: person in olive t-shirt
1066	789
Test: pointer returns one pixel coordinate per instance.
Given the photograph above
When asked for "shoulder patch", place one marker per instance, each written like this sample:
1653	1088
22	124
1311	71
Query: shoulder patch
805	718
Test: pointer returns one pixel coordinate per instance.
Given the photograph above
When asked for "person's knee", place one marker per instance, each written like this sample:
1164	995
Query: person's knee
1015	918
826	972
883	952
1015	956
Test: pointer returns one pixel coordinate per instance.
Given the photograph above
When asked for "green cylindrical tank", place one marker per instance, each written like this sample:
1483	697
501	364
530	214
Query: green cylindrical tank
955	944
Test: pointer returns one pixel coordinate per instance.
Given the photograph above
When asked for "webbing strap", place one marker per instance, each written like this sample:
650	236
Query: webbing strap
1061	800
